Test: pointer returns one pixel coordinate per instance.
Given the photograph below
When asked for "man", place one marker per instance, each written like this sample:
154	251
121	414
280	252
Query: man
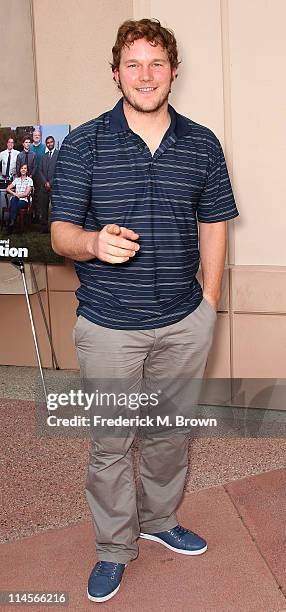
27	157
46	175
39	149
142	175
8	160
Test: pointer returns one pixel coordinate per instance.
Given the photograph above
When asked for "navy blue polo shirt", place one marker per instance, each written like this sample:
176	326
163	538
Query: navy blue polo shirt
105	173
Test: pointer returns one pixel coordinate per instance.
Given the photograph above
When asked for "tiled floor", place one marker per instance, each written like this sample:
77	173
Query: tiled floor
235	575
48	539
45	476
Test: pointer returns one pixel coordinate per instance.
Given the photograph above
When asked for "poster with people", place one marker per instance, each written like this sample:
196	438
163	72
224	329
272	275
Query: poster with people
28	157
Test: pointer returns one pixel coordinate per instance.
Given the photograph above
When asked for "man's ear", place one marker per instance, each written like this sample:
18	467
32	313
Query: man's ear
174	73
116	75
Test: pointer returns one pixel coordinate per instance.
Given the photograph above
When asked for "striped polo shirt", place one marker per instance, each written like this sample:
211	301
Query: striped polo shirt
105	174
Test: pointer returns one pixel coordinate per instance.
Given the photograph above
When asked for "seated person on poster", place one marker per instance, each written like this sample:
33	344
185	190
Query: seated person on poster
20	189
46	172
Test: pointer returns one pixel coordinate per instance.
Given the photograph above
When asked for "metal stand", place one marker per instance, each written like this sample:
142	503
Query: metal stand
44	316
20	265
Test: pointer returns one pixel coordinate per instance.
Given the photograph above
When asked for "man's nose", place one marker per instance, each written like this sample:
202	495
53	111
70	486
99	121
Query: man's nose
146	73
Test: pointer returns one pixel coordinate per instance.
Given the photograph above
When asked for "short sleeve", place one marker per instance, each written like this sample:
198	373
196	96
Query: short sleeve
71	185
31	183
216	202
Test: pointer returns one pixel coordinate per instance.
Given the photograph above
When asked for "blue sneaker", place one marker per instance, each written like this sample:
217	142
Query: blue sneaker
180	540
104	580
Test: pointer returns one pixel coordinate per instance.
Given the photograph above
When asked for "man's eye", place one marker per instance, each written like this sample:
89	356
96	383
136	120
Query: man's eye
131	66
157	64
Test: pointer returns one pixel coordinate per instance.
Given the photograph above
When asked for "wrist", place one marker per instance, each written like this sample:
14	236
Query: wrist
92	243
212	297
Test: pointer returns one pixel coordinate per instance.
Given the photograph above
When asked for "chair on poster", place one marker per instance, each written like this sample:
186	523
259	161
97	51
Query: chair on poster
24	216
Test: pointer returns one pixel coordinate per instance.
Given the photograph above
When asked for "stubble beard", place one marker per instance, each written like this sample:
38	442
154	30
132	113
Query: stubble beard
142	109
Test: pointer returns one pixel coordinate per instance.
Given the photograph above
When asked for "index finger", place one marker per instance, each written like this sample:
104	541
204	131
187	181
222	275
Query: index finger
128	233
123	243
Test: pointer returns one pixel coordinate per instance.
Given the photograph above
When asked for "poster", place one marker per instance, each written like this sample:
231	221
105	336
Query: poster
28	156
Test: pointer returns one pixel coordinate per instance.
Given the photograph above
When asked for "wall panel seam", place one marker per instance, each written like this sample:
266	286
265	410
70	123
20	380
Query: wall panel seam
226	84
227	111
35	60
141	9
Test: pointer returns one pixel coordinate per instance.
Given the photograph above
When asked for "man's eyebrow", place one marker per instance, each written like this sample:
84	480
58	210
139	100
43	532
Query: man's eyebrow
153	60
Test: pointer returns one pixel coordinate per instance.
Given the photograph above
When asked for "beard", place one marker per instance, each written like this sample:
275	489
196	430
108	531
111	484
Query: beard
153	107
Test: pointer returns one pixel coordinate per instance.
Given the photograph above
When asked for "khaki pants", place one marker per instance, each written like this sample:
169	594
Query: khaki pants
160	357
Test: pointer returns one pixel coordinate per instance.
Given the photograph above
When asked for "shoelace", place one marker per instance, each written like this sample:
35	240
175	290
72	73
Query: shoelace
179	531
105	568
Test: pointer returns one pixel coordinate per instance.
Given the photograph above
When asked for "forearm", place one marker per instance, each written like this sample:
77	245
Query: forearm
73	241
213	239
11	191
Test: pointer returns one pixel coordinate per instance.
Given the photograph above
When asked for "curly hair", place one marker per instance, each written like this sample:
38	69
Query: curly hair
151	30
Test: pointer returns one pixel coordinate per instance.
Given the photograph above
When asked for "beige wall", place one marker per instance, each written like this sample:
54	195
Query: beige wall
17	346
230	79
258	94
18	92
73	41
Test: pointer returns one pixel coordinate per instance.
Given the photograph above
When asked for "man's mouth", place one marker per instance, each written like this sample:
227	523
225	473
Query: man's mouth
146	89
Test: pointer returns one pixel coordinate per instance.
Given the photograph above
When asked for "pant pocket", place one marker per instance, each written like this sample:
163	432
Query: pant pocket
210	307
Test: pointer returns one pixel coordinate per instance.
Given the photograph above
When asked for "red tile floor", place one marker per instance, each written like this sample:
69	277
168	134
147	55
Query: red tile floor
242	571
48	539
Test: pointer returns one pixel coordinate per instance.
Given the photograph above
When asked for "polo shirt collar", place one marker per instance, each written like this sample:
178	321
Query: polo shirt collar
118	122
